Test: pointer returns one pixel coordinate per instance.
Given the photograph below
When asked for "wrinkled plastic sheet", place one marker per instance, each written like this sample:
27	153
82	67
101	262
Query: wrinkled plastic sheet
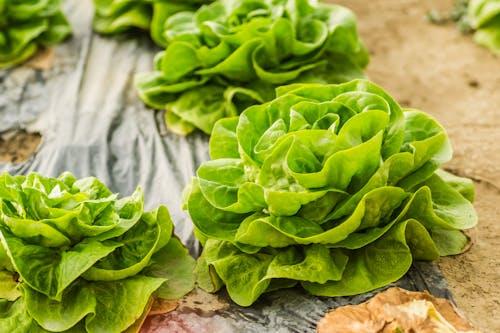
92	124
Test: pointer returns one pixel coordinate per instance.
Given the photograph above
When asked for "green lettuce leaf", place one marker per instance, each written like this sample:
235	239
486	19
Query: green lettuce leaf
151	232
60	315
103	306
334	187
381	262
173	263
14	317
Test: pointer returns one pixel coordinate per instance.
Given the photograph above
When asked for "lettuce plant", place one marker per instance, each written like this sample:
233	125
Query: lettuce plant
231	54
484	18
27	25
115	16
333	187
75	257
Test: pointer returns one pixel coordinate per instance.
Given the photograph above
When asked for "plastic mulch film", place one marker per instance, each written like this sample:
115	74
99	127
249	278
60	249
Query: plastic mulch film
93	124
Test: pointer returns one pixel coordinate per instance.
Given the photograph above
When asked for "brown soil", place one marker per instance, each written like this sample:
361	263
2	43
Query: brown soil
18	146
438	70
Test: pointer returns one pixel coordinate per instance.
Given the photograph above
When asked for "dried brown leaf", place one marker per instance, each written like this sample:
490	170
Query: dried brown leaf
397	310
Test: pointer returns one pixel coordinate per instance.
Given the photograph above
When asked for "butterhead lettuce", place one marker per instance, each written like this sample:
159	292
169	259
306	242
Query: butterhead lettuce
115	16
27	25
74	256
229	55
484	18
333	187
